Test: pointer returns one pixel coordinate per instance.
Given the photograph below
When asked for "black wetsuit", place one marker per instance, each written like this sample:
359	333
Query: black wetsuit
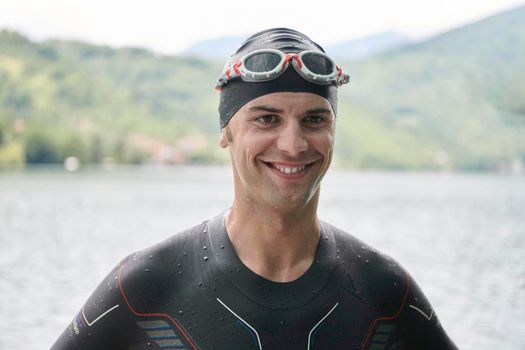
193	292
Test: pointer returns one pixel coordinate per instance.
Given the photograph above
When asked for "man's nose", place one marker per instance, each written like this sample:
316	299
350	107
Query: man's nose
292	140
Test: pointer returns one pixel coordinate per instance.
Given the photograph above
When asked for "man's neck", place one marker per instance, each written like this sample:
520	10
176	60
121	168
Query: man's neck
275	244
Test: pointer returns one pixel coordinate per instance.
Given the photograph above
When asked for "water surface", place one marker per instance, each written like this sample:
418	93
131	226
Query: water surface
462	237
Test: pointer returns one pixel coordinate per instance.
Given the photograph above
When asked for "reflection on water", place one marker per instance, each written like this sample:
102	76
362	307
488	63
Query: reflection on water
461	236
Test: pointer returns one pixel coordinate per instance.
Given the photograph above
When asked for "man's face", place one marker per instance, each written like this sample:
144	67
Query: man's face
281	146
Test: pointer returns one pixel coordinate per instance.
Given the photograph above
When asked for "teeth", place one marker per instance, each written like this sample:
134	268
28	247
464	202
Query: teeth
288	170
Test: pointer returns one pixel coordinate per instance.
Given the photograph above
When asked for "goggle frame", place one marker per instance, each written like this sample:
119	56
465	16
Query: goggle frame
238	69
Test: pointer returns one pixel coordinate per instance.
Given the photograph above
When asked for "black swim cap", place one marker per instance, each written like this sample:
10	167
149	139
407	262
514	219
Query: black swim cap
236	92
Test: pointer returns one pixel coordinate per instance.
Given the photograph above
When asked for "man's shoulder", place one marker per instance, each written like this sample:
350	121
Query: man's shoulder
351	247
374	274
153	263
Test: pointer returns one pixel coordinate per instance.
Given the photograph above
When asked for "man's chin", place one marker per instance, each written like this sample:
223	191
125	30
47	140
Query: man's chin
290	200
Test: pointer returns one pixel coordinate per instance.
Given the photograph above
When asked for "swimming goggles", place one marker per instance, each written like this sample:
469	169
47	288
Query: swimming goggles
268	64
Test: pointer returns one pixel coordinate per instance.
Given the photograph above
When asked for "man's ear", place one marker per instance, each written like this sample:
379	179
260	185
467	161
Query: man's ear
224	139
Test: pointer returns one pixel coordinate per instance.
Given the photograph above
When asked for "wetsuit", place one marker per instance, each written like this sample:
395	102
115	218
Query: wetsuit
193	292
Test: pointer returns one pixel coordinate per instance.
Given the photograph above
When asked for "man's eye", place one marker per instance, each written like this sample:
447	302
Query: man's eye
314	119
266	119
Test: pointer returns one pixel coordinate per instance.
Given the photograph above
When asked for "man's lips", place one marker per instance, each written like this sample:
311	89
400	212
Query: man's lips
289	168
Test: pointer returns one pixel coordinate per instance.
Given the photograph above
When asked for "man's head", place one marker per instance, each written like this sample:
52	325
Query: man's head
277	112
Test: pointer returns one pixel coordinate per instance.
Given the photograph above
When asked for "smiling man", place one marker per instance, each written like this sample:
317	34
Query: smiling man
267	273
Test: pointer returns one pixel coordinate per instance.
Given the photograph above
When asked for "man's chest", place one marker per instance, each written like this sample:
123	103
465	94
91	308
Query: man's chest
219	316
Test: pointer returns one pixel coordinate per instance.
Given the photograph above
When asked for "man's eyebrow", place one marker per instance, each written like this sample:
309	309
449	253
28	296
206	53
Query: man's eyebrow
320	110
265	109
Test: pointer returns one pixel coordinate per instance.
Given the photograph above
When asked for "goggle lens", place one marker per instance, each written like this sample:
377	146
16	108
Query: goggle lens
317	64
262	62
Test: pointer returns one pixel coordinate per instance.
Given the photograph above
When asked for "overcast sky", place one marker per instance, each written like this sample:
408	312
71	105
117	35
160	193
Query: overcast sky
169	26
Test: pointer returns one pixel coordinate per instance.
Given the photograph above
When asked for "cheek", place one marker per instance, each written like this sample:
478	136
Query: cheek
247	148
324	143
255	144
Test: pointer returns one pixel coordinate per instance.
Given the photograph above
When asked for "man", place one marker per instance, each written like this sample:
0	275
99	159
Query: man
267	273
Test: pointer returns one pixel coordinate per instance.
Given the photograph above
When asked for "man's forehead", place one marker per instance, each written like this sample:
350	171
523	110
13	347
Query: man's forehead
281	102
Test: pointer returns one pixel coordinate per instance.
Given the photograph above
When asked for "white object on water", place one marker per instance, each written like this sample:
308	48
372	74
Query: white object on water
71	163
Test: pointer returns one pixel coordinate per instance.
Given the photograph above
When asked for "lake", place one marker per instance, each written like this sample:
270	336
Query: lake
461	236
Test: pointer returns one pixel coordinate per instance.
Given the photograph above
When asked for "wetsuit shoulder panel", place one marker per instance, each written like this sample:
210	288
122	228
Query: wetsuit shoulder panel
103	320
373	277
403	318
149	276
108	319
419	324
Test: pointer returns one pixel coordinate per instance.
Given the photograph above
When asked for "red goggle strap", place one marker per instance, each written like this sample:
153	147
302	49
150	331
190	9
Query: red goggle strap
292	56
298	60
235	68
287	59
342	77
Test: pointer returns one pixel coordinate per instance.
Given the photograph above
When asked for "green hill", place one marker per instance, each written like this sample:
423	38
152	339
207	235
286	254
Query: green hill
70	98
456	101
